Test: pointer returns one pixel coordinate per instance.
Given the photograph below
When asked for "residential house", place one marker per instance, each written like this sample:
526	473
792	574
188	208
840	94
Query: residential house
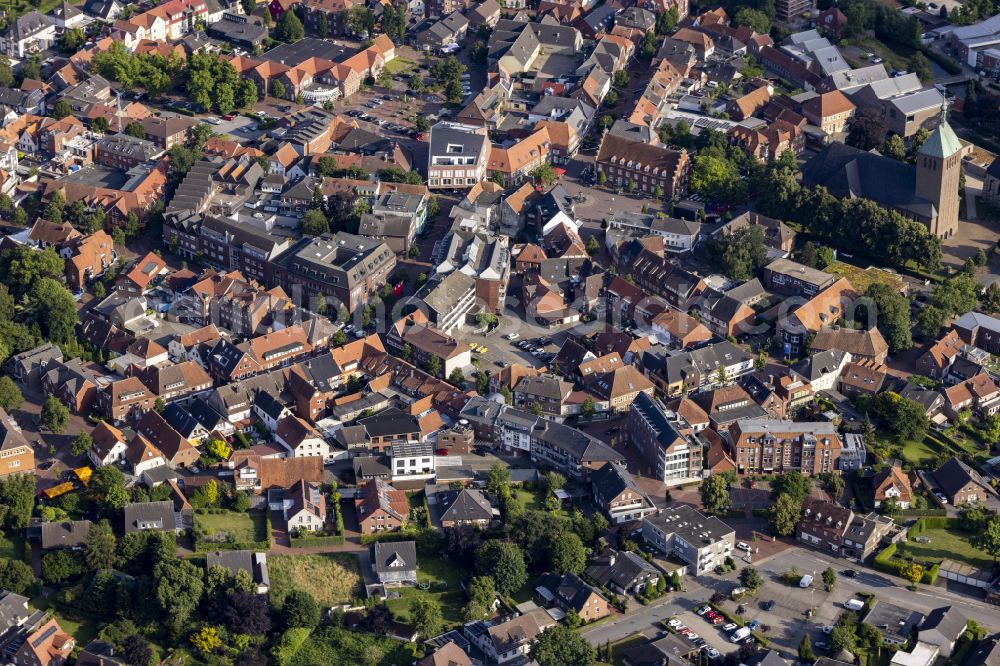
862	344
125	400
176	450
680	331
511	639
467	506
979	394
304	507
622	572
961	484
572	595
893	484
109	445
147	516
862	378
943	627
703	542
395	562
89	258
16	453
550	394
937	360
618	495
830	111
380	507
979	330
234	561
28	34
259	474
41	644
301	439
822	369
28	367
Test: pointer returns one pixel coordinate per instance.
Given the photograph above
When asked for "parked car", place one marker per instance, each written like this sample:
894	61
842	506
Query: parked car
712	653
704	609
821	645
754	626
729	627
850	573
828	629
768	605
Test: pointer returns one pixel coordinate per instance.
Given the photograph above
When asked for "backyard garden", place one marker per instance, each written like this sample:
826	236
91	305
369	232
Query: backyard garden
331	578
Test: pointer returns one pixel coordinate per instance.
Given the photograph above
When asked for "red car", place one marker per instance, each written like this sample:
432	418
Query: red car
229	116
441	452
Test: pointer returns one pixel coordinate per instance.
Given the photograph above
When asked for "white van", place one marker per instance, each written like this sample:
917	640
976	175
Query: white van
854	604
739	634
806	581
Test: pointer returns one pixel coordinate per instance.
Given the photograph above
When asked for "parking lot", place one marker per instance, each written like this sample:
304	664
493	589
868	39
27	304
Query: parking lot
715	637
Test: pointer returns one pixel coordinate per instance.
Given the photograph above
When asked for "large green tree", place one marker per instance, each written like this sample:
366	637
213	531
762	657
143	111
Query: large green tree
101	550
504	562
561	646
567	553
741	254
783	515
177	588
891	315
715	493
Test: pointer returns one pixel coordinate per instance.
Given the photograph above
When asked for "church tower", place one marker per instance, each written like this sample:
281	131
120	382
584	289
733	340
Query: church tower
939	163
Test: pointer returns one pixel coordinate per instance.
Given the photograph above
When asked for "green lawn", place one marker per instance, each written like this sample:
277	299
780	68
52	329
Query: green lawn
83	630
397	65
534	498
444	578
951	544
244	527
618	649
332	578
918	452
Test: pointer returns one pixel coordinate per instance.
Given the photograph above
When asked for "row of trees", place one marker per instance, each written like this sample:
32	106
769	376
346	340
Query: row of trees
210	81
853	225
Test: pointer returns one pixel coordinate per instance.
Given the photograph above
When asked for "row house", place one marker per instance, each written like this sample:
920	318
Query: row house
181	16
766	446
718	364
89	258
182	380
514	164
659	276
229	362
125	400
767	142
979	394
569	451
74	383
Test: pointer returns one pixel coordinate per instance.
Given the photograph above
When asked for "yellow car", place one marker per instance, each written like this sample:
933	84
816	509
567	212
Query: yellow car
483	349
472	345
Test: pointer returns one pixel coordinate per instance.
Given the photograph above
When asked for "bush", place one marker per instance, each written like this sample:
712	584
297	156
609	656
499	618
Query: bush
945	63
311	541
931	574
